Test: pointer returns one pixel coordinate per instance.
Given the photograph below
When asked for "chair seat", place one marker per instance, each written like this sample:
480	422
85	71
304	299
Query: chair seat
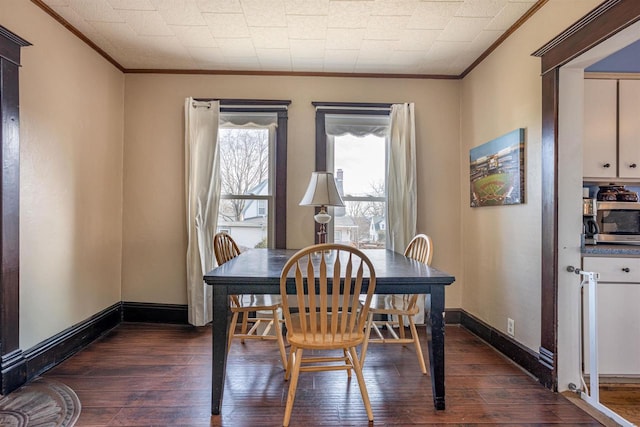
317	339
391	304
257	302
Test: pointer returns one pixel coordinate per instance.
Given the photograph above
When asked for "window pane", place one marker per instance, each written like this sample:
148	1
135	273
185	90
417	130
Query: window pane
360	165
362	161
249	229
244	171
361	224
244	161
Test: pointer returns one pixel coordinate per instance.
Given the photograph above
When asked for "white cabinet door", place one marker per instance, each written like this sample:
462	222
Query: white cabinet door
618	315
629	128
600	125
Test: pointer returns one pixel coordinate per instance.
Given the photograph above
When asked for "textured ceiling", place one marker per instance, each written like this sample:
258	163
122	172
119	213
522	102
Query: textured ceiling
316	36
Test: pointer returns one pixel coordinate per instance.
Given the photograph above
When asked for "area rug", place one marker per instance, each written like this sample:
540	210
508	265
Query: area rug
40	403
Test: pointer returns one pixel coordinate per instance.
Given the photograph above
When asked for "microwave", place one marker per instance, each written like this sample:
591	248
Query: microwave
618	222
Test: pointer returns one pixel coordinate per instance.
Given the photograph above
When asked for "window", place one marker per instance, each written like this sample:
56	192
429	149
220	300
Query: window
352	142
252	153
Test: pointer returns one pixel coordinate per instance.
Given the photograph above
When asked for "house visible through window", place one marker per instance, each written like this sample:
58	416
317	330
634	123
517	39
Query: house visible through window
251	143
354	146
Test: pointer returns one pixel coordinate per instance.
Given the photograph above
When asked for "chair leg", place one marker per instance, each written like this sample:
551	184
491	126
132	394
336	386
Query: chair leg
278	332
401	326
287	371
232	329
416	341
365	343
363	387
346	361
243	329
296	358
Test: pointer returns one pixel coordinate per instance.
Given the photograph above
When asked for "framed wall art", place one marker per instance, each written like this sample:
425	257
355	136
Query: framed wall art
497	171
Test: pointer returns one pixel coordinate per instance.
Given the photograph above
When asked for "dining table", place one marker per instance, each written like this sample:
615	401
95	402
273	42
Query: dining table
257	271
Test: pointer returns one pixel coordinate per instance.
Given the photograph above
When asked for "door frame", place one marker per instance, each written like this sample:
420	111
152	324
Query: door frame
606	20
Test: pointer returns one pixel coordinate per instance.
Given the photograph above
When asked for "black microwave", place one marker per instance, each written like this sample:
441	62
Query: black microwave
618	222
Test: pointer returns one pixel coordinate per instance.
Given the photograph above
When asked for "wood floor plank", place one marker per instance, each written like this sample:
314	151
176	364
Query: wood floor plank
160	375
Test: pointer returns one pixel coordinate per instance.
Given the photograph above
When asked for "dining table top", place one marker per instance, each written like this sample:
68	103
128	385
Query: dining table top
253	269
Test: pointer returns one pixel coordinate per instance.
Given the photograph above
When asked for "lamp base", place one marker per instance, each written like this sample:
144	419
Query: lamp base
322	234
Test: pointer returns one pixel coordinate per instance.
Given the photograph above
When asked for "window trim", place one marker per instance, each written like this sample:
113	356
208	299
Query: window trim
280	107
344	108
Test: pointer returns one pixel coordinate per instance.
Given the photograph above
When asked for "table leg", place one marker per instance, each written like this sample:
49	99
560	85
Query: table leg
435	333
220	328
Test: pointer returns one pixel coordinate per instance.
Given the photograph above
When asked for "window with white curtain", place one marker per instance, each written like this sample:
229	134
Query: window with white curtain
352	143
252	148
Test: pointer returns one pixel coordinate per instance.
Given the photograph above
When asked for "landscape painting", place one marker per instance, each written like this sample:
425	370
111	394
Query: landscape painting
497	171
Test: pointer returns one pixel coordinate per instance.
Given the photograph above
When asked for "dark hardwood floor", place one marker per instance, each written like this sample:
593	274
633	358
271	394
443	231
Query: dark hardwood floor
160	375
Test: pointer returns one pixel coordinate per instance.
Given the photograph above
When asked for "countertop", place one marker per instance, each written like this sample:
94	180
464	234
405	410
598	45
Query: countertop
611	250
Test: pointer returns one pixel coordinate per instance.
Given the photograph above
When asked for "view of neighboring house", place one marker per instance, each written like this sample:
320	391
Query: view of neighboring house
250	230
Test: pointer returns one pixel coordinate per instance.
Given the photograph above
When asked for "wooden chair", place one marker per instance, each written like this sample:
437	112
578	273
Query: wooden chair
225	248
326	318
394	308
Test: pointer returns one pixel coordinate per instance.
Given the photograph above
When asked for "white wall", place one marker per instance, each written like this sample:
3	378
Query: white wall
71	127
502	245
154	219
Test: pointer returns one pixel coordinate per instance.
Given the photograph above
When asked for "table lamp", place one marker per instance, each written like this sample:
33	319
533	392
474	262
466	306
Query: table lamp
322	192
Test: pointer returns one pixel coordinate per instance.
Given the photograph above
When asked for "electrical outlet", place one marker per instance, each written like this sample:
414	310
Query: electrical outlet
511	327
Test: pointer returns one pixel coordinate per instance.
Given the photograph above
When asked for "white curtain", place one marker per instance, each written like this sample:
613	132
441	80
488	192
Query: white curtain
202	200
401	178
401	185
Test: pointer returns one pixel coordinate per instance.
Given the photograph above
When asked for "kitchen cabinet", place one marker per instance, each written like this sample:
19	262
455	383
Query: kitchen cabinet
611	129
629	129
618	315
600	159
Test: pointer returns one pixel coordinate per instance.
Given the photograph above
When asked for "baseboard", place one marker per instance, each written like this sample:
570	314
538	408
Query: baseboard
526	358
155	313
59	347
452	316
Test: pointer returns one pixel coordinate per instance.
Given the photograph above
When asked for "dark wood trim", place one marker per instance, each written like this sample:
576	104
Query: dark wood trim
340	106
524	18
249	104
549	236
601	23
77	33
598	25
10	46
279	107
292	74
154	313
280	211
521	355
12	363
321	159
453	316
58	348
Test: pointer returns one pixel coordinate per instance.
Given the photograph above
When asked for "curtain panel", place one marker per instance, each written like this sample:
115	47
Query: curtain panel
402	211
401	178
202	200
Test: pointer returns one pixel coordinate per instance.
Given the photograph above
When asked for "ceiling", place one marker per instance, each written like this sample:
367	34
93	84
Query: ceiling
408	37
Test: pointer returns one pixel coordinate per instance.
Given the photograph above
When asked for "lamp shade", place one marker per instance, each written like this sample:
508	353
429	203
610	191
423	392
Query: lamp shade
322	191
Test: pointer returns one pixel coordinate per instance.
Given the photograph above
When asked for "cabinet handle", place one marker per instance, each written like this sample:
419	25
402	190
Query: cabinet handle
626	269
606	165
633	165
